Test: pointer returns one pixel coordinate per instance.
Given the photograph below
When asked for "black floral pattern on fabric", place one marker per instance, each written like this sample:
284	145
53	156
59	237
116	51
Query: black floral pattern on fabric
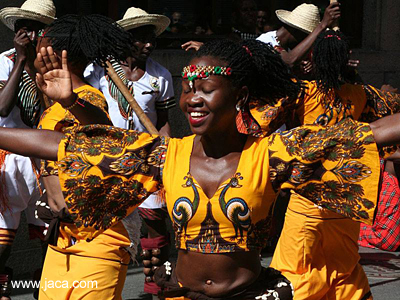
327	166
103	168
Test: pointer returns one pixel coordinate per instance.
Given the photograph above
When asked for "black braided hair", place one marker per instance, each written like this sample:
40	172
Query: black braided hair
90	38
255	65
330	58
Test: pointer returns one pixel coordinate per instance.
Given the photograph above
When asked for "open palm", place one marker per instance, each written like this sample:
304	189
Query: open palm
54	82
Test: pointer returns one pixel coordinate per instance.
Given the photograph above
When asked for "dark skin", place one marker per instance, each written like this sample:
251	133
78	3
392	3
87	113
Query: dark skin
246	16
218	143
24	41
143	45
47	60
299	42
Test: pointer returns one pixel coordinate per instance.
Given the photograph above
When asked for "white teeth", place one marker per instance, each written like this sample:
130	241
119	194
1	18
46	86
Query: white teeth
196	114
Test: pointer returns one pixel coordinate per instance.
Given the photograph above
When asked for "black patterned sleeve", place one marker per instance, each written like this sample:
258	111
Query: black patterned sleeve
336	167
106	172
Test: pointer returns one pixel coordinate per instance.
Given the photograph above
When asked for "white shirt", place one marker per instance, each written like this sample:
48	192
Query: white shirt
154	86
269	38
13	120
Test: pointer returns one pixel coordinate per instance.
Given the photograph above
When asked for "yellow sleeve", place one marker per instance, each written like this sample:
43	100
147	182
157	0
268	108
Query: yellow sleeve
380	104
106	172
336	167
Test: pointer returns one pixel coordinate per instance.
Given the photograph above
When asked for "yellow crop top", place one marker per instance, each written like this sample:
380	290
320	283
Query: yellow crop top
360	102
105	172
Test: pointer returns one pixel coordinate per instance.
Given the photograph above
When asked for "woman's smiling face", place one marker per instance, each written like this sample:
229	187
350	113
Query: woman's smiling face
210	104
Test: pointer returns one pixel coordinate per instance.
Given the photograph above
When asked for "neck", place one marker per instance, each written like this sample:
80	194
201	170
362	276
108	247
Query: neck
220	144
134	63
77	80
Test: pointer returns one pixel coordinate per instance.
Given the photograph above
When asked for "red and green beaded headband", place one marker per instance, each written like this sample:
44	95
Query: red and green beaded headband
193	72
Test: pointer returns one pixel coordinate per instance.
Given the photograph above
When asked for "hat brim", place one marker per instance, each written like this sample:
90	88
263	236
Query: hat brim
283	16
9	15
159	21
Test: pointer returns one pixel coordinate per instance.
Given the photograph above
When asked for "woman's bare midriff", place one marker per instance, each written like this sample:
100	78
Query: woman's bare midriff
217	275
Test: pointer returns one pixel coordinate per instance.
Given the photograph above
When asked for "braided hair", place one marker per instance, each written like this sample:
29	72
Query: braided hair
256	65
330	58
91	38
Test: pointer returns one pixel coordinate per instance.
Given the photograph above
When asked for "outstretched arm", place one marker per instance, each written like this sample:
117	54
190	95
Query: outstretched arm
41	144
387	131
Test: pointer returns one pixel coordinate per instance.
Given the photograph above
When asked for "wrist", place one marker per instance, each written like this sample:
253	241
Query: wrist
70	101
77	102
21	59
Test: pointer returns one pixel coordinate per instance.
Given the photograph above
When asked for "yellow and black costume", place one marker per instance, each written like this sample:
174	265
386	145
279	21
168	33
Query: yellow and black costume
318	250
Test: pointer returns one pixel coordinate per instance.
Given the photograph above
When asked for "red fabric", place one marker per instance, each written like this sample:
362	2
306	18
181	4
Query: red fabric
154	243
385	232
36	232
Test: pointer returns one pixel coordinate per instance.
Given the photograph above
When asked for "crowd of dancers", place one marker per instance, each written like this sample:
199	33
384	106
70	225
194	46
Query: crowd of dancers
283	116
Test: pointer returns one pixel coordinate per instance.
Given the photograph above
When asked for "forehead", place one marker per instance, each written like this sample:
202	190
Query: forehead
42	42
28	24
143	30
208	61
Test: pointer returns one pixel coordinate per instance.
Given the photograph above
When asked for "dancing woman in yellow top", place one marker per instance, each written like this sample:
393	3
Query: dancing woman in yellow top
318	250
220	184
85	39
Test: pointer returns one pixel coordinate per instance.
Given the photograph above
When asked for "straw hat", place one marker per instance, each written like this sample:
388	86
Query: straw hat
136	17
42	11
304	17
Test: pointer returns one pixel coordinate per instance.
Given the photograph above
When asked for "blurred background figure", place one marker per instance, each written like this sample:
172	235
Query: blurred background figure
244	19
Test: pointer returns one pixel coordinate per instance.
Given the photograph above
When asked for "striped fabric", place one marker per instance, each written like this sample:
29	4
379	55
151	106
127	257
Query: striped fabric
166	104
28	100
7	236
124	107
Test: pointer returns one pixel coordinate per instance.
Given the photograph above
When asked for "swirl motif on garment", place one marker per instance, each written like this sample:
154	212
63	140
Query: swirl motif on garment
184	209
236	209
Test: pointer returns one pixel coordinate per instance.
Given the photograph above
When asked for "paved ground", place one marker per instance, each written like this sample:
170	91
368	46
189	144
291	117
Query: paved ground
382	268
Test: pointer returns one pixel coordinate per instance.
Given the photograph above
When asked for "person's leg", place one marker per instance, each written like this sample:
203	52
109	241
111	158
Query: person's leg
8	228
67	276
155	245
299	254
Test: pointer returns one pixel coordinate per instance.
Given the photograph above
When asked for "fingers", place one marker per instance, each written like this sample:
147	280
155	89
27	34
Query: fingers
50	59
40	82
64	60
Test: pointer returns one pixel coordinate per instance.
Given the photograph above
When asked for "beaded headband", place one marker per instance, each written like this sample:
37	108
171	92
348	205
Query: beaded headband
193	72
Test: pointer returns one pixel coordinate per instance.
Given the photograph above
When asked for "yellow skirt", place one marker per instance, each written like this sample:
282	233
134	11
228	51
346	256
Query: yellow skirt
318	253
69	276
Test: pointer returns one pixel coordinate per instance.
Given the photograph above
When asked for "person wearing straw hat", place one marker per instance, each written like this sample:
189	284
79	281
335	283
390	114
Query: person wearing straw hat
299	32
20	107
151	85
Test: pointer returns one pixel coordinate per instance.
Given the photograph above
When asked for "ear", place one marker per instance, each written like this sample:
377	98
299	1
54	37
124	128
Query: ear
243	96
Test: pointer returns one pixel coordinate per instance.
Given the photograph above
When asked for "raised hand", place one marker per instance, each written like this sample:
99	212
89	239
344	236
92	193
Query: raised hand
23	45
331	15
47	60
55	83
192	45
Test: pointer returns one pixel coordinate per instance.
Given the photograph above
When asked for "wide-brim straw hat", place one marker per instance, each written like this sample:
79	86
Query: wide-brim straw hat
304	17
136	17
43	11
